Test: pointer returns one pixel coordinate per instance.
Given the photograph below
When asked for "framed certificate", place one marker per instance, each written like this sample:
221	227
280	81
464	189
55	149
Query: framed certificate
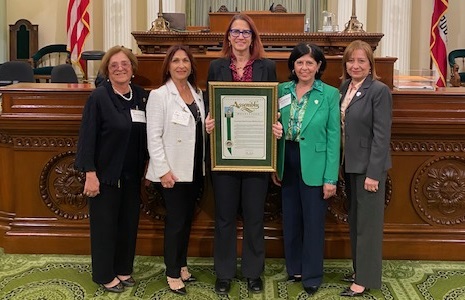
244	113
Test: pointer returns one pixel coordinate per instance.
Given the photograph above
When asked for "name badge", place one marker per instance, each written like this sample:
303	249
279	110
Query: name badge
284	101
138	116
181	117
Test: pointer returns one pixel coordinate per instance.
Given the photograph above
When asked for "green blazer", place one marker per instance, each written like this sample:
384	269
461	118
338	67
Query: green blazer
319	137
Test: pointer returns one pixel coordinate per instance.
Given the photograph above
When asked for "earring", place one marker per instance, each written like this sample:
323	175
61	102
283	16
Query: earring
293	71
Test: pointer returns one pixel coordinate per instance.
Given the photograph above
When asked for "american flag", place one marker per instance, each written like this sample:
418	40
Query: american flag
438	41
77	26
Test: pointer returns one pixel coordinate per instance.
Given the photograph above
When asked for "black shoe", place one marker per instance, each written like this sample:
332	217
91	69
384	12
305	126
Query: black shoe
222	286
293	278
349	293
190	279
311	289
176	285
255	285
128	282
119	288
349	277
182	291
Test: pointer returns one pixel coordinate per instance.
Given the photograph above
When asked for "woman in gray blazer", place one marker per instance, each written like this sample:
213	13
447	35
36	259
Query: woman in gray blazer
366	105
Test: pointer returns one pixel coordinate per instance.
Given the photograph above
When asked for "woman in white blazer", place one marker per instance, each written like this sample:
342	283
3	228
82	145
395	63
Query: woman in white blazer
175	137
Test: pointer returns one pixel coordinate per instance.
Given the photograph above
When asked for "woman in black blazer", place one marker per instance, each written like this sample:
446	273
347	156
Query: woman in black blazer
242	60
112	152
366	106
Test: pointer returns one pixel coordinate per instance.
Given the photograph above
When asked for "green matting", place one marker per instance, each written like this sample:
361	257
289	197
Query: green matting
59	277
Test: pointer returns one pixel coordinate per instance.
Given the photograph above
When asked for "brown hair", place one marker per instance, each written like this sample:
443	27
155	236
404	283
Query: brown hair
114	50
166	65
256	48
358	45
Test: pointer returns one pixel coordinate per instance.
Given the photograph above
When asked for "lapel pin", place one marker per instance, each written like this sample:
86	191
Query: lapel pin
358	94
316	101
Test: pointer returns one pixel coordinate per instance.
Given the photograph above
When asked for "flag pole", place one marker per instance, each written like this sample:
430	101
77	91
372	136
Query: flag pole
353	25
160	24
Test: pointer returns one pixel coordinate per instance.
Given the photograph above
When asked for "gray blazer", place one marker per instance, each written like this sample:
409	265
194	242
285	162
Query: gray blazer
368	121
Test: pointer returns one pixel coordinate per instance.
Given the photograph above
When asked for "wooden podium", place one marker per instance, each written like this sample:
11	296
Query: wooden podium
42	209
266	22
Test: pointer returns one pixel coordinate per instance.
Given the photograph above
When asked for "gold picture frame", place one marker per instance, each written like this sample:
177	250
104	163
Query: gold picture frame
244	113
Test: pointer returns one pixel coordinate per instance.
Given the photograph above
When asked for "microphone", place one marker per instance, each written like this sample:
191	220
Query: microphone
271	7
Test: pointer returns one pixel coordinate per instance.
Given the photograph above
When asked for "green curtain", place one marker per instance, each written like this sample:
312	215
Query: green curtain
197	10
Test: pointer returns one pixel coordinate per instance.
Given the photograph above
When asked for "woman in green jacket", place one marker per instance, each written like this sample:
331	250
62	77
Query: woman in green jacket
308	162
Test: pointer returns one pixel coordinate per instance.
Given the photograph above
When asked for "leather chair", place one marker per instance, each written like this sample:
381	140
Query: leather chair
46	58
90	55
16	71
64	74
457	67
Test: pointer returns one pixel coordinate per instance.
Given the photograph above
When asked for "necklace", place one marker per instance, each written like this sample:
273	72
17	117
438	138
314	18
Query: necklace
124	97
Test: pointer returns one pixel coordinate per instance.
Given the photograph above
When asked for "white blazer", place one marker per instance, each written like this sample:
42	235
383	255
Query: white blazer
170	143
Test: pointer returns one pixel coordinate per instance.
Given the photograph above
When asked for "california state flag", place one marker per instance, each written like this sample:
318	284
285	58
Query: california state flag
438	41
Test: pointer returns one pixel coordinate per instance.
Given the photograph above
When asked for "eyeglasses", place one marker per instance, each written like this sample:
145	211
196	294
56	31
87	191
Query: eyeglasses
237	32
123	64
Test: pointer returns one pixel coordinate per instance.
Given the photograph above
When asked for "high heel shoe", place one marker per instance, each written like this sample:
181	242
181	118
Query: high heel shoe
176	285
186	276
349	277
128	282
348	292
119	288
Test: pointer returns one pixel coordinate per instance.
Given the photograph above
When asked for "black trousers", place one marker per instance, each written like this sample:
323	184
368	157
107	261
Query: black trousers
180	205
234	190
304	212
114	219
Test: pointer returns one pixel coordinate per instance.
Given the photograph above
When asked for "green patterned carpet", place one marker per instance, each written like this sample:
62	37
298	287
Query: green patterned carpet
60	277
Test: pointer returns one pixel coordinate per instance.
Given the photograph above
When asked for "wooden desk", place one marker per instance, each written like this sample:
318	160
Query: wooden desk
42	209
154	42
149	76
266	22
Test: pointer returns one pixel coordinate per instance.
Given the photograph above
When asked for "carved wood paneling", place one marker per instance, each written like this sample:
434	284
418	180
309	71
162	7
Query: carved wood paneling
438	190
61	187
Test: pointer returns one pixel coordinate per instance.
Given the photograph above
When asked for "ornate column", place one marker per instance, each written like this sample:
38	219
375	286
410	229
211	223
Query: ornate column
117	23
152	9
396	28
344	11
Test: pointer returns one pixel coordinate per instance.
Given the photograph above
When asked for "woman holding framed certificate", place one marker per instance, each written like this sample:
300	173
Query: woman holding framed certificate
240	191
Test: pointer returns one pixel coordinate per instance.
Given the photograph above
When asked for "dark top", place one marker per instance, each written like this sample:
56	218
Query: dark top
262	70
109	142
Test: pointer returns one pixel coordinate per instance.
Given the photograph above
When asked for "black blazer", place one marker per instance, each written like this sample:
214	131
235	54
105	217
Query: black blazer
105	131
368	120
262	70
